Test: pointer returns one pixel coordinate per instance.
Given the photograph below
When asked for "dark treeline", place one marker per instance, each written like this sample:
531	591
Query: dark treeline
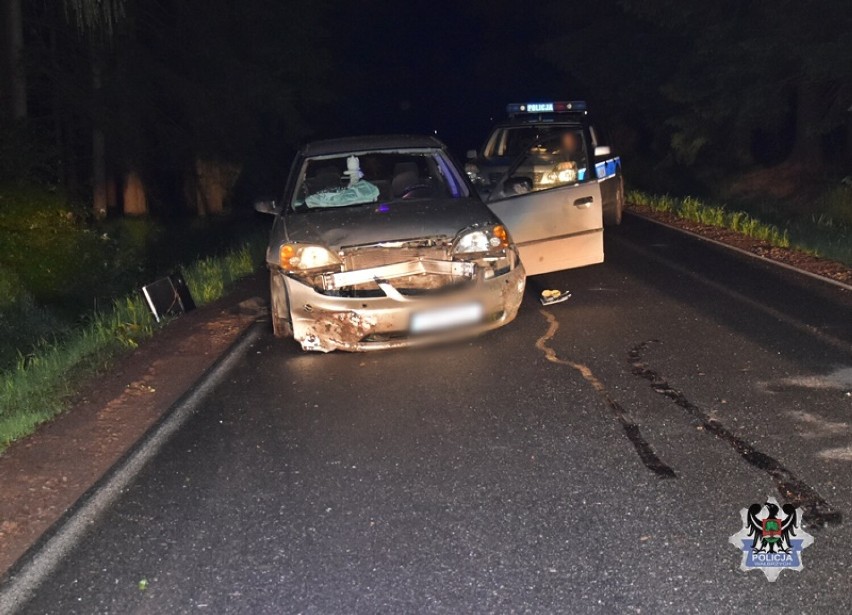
146	104
174	106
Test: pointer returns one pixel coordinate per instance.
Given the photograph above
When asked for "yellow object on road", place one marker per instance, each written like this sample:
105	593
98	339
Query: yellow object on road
549	297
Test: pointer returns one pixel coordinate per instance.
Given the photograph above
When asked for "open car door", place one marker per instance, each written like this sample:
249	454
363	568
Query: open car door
550	201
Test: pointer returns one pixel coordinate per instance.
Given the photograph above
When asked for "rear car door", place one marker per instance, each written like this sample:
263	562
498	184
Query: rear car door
550	201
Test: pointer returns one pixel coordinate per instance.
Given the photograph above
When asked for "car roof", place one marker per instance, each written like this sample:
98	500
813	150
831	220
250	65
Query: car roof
369	142
542	121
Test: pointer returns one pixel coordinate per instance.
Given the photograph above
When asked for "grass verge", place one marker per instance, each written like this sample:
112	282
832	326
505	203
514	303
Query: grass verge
694	210
39	385
823	237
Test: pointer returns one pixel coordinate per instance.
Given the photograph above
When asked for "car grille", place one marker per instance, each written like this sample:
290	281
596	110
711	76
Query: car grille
365	257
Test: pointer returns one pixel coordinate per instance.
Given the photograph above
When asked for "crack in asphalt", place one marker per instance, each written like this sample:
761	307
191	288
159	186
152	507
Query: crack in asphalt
818	512
631	429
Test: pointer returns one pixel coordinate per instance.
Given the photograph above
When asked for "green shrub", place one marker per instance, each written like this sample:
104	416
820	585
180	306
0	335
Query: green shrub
694	210
37	387
22	321
46	245
27	151
59	275
835	206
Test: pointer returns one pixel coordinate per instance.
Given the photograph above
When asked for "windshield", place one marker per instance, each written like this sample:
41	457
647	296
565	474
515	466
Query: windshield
558	160
512	141
359	178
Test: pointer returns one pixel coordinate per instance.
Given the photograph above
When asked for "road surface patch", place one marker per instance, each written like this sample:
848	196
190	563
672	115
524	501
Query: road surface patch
837	454
840	379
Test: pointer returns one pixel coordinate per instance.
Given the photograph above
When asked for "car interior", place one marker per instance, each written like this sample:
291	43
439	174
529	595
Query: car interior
397	176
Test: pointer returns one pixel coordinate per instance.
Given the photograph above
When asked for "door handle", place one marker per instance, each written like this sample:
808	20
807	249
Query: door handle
585	202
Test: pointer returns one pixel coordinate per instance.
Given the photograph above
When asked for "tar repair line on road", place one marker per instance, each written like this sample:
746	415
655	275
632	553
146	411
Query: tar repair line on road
45	556
817	511
631	429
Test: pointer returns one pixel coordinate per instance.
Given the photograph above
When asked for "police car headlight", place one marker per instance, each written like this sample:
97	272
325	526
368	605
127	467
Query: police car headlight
474	173
563	173
487	240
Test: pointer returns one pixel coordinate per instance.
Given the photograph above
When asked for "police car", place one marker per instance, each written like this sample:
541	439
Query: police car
534	121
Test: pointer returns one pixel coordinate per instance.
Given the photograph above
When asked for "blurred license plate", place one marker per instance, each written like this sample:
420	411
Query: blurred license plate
446	317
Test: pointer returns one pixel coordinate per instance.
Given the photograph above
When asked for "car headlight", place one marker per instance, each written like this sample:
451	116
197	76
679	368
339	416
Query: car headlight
485	240
306	258
560	174
473	172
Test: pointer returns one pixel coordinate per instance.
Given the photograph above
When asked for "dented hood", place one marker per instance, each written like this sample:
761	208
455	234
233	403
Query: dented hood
377	222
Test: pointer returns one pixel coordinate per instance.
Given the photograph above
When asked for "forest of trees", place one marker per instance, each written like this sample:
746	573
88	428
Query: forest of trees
726	82
159	106
140	104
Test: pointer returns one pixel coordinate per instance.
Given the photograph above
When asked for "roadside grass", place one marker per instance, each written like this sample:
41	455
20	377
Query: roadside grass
39	385
824	236
57	264
694	210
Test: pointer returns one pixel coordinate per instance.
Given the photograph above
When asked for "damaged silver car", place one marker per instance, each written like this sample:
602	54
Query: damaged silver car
381	242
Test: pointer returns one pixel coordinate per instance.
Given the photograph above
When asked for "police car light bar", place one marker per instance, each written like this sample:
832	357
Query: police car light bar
546	107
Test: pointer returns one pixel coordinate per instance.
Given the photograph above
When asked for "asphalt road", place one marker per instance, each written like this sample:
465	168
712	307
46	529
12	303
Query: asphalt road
590	457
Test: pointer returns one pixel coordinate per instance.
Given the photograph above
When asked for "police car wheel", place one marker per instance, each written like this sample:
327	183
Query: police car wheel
613	217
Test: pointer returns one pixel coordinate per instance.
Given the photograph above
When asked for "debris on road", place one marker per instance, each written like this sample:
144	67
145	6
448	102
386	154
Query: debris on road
549	297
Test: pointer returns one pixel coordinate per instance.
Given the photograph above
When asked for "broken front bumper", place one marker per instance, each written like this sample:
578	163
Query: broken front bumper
325	322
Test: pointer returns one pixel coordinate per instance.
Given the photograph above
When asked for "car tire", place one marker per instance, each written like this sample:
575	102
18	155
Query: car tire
614	215
279	306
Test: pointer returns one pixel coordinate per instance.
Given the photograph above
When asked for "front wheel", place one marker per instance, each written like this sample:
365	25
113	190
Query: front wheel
279	307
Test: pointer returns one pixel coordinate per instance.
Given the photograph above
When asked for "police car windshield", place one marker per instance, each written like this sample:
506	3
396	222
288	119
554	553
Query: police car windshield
512	141
360	178
558	160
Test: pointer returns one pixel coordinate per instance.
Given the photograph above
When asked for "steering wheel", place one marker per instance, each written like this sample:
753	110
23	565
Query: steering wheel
409	191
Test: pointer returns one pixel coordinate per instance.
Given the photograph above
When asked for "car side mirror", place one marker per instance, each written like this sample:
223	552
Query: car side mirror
265	207
471	154
602	150
518	184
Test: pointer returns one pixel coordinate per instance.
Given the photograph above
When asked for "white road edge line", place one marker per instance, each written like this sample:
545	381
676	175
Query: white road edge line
738	296
22	584
815	276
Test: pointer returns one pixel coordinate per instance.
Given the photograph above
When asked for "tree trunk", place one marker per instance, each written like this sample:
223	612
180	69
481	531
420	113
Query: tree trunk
213	181
14	77
99	180
135	201
69	158
111	192
56	114
848	120
807	149
99	174
190	189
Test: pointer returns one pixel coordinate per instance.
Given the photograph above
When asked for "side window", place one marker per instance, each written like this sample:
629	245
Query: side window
490	149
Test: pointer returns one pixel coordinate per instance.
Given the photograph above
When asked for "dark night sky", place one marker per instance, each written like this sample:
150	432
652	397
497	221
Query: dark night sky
422	67
676	84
